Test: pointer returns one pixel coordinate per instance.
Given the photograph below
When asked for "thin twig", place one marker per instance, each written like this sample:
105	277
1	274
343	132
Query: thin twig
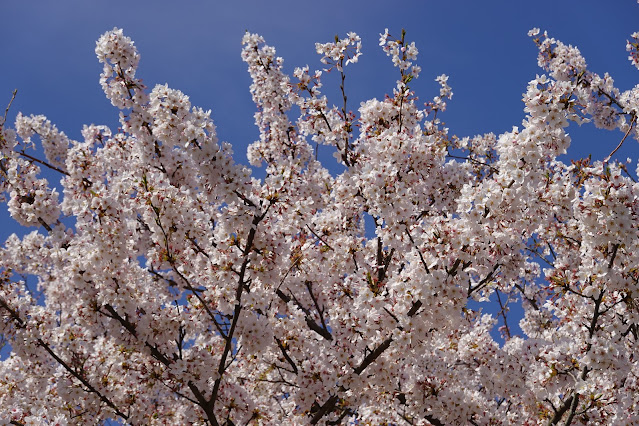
632	125
44	163
6	111
459	157
502	312
318	237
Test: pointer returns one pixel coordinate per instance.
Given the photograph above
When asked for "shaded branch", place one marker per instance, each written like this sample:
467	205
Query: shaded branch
286	355
89	387
632	125
483	282
307	316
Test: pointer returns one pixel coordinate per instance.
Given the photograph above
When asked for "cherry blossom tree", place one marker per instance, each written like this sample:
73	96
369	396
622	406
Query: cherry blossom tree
173	287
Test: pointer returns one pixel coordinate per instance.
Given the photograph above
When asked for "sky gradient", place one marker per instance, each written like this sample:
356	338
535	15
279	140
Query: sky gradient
194	46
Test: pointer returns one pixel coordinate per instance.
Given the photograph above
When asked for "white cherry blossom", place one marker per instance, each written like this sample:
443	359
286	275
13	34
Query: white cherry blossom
161	283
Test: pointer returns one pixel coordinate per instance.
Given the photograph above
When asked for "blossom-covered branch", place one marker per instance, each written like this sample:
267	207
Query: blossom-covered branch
174	287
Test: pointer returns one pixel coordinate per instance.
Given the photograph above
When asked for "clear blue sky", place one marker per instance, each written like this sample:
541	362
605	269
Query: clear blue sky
47	52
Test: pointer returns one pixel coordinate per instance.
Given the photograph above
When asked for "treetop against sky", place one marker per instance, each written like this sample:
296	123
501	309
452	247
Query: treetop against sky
482	47
384	253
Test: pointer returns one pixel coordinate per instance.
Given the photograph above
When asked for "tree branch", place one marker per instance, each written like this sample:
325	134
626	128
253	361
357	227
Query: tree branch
90	388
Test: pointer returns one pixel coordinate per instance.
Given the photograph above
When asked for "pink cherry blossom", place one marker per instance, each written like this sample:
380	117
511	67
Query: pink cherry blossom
160	282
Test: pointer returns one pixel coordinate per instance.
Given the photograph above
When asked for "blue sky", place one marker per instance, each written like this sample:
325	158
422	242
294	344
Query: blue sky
194	45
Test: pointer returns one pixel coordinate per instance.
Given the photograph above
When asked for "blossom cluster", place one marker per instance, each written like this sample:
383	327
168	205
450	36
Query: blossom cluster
173	287
633	48
403	54
341	52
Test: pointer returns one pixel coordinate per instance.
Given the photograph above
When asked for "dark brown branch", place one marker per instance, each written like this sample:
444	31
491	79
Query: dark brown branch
130	327
413	310
286	355
178	393
373	355
453	270
383	261
90	388
44	224
632	125
530	300
44	163
433	420
318	329
573	401
75	374
319	238
309	321
631	329
328	406
201	401
573	409
241	285
244	198
200	299
393	316
502	312
419	252
320	311
481	284
615	248
345	412
472	160
6	111
368	360
207	406
561	411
